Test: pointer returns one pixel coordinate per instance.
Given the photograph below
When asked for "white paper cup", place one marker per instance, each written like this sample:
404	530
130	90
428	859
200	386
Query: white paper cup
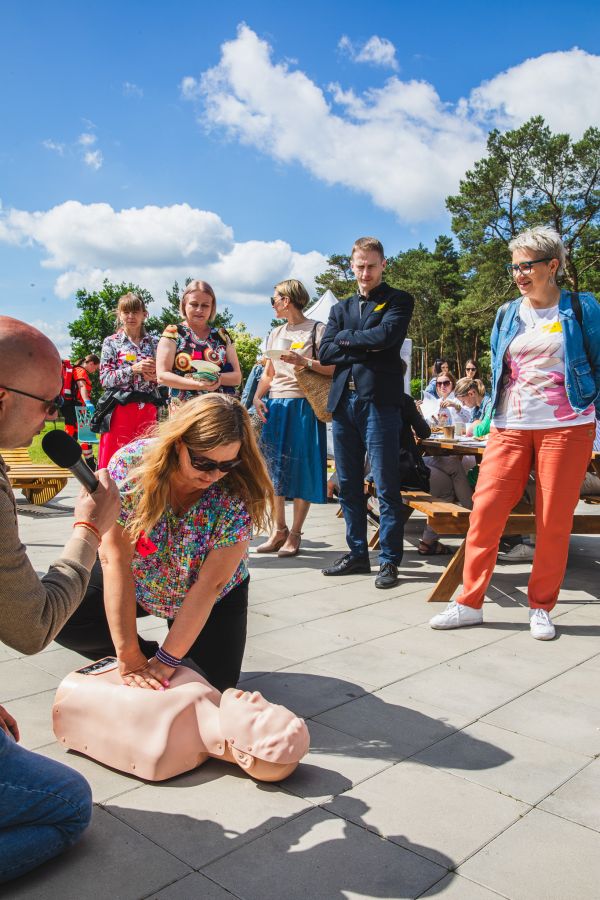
460	429
282	344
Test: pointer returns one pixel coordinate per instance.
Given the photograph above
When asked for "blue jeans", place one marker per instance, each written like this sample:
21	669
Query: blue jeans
44	808
361	426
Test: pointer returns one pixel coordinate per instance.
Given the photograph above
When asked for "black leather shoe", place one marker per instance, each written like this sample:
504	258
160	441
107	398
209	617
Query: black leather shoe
349	565
387	576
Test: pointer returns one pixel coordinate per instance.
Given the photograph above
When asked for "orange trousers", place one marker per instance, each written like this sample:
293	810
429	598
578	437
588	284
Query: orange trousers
560	457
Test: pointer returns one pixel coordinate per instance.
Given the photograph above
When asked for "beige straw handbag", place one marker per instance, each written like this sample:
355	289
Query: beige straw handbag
315	386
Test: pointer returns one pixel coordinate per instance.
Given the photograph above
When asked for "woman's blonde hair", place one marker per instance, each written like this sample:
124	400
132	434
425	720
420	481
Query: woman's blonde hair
130	303
205	288
464	385
295	290
201	424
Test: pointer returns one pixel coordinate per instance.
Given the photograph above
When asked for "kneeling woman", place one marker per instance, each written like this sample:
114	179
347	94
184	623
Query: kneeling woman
190	497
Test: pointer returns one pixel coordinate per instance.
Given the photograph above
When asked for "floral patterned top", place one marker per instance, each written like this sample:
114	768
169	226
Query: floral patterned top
189	346
167	561
533	386
119	353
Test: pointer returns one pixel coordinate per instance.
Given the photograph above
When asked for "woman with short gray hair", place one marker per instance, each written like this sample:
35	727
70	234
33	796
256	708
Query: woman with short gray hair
545	399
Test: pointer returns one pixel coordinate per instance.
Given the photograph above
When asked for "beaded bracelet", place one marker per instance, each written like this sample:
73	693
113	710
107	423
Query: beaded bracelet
162	656
89	527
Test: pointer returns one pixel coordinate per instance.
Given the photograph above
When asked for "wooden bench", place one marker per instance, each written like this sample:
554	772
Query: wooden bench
39	482
451	518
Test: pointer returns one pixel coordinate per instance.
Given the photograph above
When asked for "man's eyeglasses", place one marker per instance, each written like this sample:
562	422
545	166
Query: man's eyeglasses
443	382
525	267
52	406
203	464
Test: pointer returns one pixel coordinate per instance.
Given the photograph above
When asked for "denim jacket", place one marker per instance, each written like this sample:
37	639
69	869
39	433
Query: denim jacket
582	350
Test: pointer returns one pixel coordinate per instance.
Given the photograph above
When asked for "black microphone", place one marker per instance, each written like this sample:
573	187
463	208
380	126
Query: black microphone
66	453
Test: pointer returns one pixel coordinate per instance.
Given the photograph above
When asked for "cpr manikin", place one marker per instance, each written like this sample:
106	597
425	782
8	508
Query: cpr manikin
158	734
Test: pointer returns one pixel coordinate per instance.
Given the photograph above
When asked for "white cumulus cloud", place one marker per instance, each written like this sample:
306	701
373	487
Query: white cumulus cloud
564	87
87	139
93	159
132	90
55	146
377	51
400	144
154	246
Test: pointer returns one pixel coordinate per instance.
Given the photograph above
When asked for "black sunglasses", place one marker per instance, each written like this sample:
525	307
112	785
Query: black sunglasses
443	382
210	465
52	406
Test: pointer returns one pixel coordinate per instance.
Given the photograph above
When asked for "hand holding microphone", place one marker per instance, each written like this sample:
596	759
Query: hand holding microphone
99	503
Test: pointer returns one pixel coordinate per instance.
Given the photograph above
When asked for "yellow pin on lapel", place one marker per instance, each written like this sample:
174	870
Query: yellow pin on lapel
379	306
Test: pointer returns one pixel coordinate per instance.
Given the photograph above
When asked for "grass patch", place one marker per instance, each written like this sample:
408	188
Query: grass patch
35	450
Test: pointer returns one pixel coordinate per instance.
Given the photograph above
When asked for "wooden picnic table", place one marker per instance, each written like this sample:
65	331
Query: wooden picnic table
452	519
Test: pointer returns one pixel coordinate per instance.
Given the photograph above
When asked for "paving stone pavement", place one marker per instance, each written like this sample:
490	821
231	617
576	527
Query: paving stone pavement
457	764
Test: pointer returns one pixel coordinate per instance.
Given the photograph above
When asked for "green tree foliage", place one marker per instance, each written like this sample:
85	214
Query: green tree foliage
96	319
338	278
247	347
529	177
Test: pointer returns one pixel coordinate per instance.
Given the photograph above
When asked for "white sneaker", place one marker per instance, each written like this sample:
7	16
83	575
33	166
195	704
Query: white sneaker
541	625
456	615
519	553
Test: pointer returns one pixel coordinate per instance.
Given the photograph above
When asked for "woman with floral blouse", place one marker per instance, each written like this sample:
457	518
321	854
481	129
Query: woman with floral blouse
185	347
127	364
190	498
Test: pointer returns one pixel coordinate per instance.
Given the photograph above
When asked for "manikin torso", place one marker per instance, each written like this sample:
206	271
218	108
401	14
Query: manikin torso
158	734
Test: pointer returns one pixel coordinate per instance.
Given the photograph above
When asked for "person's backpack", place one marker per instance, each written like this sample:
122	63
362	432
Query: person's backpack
68	388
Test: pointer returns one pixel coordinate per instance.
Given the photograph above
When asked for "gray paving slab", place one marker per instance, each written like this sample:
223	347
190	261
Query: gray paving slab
325	858
542	857
411	803
528	771
402	782
578	798
554	720
207	813
194	886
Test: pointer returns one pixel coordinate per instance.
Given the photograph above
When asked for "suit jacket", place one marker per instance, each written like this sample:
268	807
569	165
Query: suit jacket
367	347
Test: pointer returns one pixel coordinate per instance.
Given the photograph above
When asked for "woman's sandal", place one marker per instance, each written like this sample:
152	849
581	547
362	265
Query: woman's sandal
297	535
435	549
274	542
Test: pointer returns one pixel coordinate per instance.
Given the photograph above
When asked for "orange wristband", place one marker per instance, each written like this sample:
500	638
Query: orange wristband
89	527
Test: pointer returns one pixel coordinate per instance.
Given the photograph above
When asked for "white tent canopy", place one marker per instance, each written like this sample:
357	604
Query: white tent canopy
320	311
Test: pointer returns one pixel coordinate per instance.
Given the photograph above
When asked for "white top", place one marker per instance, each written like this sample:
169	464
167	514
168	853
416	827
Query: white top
284	384
533	389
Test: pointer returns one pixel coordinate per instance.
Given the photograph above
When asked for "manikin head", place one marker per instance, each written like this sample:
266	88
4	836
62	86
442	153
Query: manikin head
266	740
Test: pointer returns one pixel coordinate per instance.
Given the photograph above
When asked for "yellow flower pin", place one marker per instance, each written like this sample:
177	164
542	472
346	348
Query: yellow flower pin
297	345
555	328
379	306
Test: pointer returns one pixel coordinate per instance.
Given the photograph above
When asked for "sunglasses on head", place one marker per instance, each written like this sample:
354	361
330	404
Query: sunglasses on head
444	382
203	464
52	406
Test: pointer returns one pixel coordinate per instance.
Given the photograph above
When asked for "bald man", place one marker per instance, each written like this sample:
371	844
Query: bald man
44	806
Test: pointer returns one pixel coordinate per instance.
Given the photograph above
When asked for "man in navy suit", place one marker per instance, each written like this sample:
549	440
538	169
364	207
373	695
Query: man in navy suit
363	338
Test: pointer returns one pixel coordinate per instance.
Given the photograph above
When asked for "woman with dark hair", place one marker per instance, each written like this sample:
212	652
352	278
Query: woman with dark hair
440	366
471	368
294	441
128	366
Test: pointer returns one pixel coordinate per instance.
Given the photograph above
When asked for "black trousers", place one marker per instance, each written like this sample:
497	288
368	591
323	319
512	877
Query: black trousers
218	650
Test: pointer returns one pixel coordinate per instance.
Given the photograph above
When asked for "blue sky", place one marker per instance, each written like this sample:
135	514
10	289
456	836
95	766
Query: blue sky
244	143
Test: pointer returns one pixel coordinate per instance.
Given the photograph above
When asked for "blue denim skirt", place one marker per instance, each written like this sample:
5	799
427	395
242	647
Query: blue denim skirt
294	444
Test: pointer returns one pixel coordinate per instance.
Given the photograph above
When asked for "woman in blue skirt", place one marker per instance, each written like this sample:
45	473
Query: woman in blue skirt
293	439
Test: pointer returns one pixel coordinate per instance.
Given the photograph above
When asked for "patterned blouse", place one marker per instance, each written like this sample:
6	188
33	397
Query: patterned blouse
167	561
189	346
119	353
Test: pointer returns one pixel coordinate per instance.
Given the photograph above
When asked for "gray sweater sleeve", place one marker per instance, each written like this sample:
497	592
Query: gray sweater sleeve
32	610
